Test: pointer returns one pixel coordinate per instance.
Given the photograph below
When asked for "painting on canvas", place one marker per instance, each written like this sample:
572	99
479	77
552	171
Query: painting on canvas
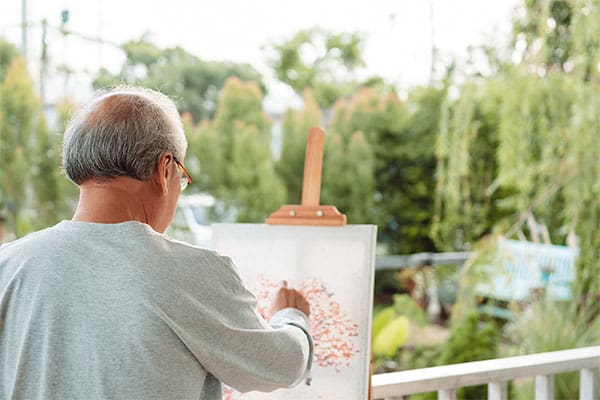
334	268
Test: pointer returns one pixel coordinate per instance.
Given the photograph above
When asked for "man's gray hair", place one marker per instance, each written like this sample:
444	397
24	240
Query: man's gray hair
122	133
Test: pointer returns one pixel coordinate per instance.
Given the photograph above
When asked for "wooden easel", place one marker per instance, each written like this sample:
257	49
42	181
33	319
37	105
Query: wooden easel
310	212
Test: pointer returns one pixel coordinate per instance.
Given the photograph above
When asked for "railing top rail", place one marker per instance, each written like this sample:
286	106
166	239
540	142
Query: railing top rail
420	259
483	372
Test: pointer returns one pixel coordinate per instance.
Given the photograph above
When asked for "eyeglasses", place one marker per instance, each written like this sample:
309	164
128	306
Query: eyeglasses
186	179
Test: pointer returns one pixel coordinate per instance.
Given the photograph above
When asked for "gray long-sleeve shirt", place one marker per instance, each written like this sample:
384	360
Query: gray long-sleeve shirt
119	311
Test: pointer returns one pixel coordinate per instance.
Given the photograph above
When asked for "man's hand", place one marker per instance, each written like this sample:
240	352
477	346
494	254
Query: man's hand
285	298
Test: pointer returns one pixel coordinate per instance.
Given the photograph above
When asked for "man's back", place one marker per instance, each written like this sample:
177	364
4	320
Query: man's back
120	311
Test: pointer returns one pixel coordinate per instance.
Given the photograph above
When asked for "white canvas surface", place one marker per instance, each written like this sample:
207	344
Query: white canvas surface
334	266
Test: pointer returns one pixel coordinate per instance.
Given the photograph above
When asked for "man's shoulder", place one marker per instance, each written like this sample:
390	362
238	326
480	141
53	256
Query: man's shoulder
199	253
29	240
188	248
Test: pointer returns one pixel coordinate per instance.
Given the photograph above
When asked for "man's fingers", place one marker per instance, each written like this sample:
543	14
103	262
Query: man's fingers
289	297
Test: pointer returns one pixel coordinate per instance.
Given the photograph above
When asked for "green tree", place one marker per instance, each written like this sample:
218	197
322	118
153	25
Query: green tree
67	191
559	35
234	155
255	189
560	40
206	157
548	21
525	142
8	53
556	176
406	171
348	180
584	54
29	156
321	60
18	124
46	177
193	82
401	136
294	132
467	204
582	191
373	115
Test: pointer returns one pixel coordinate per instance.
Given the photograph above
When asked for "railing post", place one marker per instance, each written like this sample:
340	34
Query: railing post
447	394
544	387
588	384
497	391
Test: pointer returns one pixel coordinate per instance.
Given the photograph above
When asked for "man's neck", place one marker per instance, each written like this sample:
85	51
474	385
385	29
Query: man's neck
115	200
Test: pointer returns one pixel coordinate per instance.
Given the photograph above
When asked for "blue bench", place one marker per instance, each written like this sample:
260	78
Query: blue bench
522	268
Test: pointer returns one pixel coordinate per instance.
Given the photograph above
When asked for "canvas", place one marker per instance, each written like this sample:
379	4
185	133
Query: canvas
334	267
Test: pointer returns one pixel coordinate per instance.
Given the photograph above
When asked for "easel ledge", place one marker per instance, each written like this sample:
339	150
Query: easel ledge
307	215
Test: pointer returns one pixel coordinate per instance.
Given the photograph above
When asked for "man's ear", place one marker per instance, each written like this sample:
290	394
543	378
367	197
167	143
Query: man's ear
162	173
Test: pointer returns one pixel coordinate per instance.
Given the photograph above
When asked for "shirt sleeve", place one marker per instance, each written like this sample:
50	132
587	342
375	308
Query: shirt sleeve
222	328
295	317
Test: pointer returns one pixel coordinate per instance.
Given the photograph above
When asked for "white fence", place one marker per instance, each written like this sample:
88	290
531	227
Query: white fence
495	374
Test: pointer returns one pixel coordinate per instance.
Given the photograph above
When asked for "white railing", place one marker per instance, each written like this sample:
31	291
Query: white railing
495	374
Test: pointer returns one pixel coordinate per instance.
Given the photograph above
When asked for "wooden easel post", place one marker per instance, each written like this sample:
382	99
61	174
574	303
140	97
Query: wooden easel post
313	168
310	212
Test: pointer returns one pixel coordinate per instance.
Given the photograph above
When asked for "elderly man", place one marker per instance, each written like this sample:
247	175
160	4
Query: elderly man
106	306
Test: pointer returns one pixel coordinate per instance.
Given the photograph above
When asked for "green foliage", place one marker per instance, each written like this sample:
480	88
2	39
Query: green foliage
405	305
232	154
557	176
548	20
32	191
559	35
321	60
533	150
193	82
254	187
475	270
392	325
19	124
585	41
467	206
348	180
525	142
401	137
406	172
294	133
381	319
470	339
582	190
537	113
549	325
8	53
206	156
391	337
68	192
569	141
46	178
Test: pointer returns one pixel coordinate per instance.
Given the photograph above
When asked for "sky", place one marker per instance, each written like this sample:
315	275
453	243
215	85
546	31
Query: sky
397	46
